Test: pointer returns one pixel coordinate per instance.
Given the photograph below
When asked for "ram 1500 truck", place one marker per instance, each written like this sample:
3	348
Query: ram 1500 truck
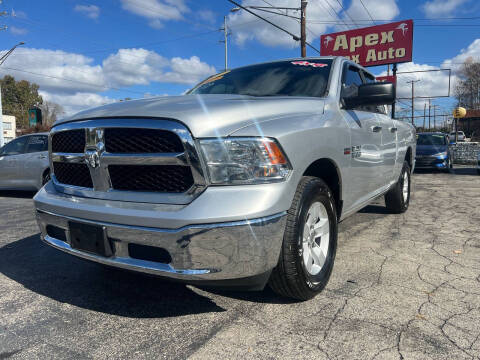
239	183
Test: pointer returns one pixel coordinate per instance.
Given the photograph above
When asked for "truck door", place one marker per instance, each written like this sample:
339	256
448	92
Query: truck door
388	148
366	141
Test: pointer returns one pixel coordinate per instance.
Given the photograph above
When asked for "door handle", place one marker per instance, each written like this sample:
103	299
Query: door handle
393	129
42	157
376	128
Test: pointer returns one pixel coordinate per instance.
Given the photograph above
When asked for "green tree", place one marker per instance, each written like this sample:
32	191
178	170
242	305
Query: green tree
467	89
18	97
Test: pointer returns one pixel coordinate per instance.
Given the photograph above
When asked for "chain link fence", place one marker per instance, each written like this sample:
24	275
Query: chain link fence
465	153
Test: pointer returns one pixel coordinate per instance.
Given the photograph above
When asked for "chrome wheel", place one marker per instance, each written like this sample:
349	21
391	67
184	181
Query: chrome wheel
405	187
316	238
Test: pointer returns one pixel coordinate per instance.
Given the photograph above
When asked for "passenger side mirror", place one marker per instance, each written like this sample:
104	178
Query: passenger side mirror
373	94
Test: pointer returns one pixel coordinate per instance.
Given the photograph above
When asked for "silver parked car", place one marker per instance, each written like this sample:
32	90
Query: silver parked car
24	163
241	182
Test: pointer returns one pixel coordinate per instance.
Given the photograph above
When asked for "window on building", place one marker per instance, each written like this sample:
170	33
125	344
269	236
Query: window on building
7	126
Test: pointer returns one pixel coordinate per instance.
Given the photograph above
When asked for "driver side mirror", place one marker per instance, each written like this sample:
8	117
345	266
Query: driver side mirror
373	94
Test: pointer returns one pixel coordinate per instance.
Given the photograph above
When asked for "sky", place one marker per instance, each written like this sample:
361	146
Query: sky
88	53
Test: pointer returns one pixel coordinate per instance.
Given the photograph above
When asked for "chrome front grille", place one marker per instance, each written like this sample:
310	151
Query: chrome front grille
73	174
134	140
72	141
162	178
145	160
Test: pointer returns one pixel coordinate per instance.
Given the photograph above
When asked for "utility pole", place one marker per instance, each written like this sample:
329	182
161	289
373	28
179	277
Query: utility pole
424	112
225	40
2	60
435	116
429	107
303	33
413	97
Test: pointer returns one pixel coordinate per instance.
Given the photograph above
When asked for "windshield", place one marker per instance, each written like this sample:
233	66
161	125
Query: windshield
431	139
285	78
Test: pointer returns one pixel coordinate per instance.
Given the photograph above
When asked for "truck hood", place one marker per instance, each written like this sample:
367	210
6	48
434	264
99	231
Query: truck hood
208	115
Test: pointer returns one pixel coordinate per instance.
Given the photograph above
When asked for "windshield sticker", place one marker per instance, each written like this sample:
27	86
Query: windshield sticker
214	78
308	63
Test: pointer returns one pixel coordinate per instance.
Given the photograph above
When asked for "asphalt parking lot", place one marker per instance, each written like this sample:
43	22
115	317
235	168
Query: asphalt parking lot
403	287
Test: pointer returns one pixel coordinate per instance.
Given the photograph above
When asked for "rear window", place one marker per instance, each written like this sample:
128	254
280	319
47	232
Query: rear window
37	143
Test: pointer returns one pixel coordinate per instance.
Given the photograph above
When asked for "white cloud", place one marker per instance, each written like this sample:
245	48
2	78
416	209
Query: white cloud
437	8
18	30
187	71
321	18
133	66
76	102
50	68
19	14
471	52
206	15
73	81
434	83
378	9
157	11
90	11
139	66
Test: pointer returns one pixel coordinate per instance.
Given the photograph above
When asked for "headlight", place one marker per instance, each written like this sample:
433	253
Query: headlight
244	160
441	155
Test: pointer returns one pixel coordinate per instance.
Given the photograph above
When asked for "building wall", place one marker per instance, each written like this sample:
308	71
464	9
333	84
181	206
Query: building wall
9	128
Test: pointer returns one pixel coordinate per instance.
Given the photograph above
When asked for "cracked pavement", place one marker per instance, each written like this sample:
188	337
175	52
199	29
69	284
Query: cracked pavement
403	287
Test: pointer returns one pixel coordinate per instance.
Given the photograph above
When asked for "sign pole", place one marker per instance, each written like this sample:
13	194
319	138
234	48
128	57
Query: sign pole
395	76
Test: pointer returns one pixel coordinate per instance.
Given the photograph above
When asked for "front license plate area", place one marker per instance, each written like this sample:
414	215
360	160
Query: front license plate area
89	238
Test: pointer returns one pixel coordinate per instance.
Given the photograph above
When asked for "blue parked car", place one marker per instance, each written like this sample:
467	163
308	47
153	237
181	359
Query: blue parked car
433	152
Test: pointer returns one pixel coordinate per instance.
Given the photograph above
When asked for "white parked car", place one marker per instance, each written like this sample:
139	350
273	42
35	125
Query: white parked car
460	134
24	163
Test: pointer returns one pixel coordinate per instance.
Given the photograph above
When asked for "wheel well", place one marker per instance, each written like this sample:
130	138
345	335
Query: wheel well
326	170
408	157
47	170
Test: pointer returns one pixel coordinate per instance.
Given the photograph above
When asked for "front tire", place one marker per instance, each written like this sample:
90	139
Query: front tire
309	244
397	199
46	177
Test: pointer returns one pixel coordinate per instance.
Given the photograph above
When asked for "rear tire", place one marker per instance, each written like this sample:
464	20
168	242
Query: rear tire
309	243
397	199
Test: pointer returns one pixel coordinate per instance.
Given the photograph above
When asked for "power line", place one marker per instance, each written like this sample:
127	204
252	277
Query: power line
335	12
105	87
416	25
346	12
422	19
368	12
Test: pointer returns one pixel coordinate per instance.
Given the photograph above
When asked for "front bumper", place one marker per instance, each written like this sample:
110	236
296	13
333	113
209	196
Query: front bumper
210	252
431	162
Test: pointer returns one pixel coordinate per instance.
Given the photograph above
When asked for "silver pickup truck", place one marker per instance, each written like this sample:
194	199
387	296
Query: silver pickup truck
239	183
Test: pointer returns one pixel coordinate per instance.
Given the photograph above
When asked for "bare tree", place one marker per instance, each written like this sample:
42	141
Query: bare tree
467	89
50	112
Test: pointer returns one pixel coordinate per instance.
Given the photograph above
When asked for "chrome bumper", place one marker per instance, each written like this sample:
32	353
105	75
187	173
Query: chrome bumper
220	251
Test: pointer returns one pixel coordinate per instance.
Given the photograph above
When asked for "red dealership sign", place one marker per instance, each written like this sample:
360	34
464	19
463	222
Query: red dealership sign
388	78
374	45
